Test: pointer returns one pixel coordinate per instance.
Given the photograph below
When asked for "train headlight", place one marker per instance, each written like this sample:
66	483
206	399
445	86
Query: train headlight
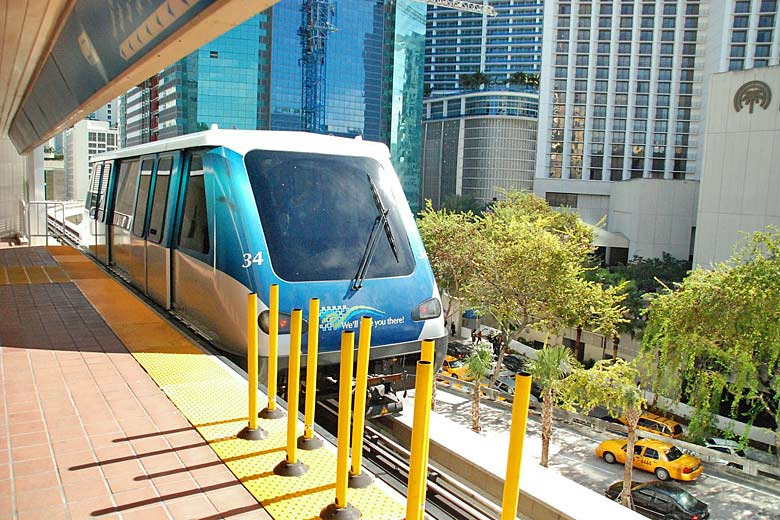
430	308
264	322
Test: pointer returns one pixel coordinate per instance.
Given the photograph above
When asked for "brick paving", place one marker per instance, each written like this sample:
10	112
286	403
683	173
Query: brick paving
84	431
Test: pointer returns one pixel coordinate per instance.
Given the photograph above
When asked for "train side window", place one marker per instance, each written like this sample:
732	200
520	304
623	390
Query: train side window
142	200
101	205
93	189
160	199
125	193
194	229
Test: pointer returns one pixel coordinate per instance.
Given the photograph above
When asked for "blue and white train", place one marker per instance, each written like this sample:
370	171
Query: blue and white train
199	221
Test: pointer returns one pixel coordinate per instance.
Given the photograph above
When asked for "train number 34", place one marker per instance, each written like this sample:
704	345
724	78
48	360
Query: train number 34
250	259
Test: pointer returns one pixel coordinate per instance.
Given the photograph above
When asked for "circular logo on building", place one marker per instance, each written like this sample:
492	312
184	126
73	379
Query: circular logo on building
751	94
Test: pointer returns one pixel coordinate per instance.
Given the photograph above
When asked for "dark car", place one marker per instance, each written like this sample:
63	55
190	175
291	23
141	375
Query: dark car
458	350
656	499
514	362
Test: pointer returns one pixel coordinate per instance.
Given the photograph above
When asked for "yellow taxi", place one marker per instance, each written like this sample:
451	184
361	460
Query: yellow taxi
651	422
456	368
661	458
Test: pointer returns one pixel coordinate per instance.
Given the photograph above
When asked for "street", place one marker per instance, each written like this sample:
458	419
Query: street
572	455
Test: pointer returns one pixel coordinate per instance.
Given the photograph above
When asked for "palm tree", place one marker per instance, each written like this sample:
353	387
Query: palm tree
480	364
474	81
550	367
631	401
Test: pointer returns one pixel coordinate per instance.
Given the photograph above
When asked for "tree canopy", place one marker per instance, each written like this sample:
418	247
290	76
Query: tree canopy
613	385
531	262
720	333
448	238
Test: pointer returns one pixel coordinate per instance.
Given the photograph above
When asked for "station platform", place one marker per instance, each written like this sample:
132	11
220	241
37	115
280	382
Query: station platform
108	411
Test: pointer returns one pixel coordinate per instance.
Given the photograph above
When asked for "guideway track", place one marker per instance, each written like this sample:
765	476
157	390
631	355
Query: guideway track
446	498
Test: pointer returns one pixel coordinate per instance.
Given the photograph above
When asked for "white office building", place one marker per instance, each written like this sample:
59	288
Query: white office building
739	191
84	140
478	144
622	109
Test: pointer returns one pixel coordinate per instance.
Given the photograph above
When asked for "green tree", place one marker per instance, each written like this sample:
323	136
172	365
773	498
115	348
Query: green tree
612	384
480	364
531	262
463	204
548	370
474	81
523	79
719	332
448	237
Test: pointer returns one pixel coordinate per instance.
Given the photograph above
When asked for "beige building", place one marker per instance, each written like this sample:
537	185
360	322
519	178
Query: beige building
739	190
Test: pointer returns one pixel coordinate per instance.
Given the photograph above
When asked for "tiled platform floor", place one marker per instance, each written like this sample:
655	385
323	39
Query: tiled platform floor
84	432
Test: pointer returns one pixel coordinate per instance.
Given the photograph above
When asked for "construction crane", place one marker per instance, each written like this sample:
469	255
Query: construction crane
317	22
461	5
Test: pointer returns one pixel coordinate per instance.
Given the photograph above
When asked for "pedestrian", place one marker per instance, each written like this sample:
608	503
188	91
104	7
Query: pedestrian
479	336
452	328
473	337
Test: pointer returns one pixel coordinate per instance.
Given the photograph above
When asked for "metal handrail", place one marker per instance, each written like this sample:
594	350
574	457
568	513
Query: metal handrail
46	204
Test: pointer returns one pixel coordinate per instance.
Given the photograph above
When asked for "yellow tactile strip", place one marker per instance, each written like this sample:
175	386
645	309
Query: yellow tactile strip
34	274
214	400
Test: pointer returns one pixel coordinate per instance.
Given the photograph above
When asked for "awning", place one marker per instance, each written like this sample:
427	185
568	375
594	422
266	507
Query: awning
604	238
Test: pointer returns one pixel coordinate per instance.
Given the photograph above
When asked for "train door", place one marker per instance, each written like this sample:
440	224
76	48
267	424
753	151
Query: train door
140	217
158	253
193	276
102	243
124	189
90	224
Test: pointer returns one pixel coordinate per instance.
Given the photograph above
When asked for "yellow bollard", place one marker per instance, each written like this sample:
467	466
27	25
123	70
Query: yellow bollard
341	509
428	350
271	411
427	353
418	460
358	479
291	466
308	441
516	438
252	432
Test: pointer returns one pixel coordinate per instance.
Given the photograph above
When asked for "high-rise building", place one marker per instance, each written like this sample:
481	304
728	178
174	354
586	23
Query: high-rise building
621	114
478	144
349	69
108	112
85	139
461	42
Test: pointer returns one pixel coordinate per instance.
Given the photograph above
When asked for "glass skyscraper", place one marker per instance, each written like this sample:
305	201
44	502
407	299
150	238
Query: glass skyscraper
253	77
461	42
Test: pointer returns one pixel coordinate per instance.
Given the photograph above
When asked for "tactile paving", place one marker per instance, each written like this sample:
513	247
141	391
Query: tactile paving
214	400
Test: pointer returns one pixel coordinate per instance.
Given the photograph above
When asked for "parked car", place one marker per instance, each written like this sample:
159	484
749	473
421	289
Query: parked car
651	422
733	448
456	368
506	383
656	499
724	446
661	458
458	350
514	362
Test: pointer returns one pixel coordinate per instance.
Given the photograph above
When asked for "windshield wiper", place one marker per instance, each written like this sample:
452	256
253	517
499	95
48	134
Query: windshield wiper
368	254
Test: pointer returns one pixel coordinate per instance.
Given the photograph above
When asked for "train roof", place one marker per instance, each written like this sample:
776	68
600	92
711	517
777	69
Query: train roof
242	141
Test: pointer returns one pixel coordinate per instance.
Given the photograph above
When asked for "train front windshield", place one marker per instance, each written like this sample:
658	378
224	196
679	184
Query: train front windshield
319	212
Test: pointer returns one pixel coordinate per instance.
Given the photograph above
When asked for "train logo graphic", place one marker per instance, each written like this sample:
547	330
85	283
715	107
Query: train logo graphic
342	317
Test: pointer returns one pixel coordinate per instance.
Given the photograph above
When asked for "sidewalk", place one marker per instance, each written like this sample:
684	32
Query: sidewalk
84	432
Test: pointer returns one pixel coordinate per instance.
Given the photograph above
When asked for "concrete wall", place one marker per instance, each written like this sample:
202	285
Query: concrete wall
14	171
741	164
656	215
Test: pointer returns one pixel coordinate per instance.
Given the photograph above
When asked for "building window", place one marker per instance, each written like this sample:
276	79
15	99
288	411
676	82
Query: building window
561	200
